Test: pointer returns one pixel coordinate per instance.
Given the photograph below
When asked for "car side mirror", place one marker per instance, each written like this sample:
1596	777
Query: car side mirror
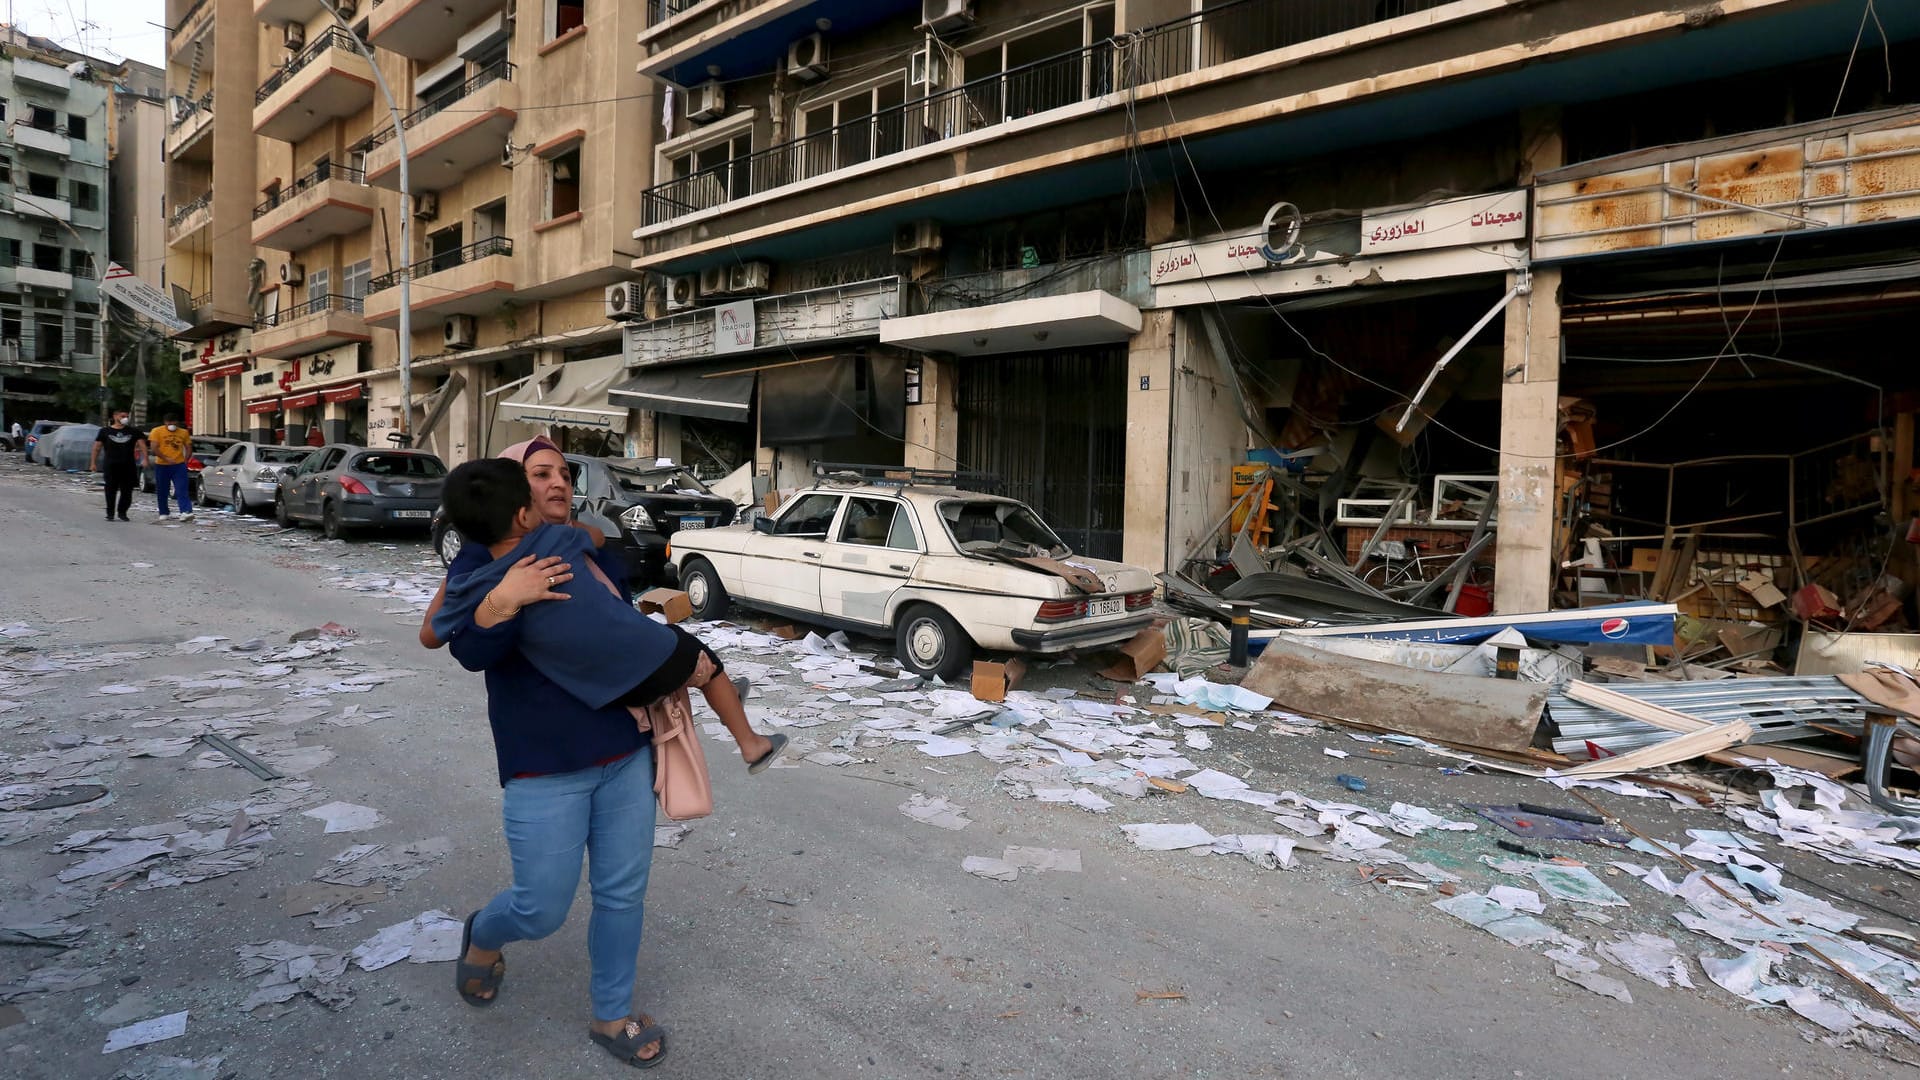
763	525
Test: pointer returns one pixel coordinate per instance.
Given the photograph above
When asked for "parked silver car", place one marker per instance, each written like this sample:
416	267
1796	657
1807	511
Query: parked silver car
343	487
68	446
37	435
247	476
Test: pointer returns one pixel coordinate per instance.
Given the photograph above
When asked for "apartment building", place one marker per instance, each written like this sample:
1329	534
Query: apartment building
136	171
1105	251
516	217
53	221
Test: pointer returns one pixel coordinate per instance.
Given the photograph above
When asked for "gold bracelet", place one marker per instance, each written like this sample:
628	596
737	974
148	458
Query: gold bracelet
494	606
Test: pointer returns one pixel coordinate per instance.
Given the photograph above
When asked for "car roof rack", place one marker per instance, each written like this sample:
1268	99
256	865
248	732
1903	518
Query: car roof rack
838	472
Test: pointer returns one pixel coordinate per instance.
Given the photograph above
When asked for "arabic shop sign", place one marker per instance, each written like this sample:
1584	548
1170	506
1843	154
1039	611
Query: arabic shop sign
1289	238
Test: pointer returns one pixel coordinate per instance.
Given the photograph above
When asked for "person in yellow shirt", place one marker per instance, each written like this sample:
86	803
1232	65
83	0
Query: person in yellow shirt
170	444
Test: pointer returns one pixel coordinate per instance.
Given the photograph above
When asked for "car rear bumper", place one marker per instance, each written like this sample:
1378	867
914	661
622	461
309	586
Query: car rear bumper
392	512
1081	637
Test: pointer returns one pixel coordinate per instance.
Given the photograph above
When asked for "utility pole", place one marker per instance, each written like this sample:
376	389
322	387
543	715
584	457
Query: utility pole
139	402
405	270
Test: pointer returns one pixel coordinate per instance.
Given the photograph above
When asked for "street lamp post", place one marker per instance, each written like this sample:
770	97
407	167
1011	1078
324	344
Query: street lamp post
406	223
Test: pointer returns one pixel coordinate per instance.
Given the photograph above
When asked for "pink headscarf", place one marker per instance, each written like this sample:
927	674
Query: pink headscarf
521	451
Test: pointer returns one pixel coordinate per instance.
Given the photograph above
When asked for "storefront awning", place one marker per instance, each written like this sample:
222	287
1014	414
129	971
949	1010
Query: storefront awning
723	393
221	372
1048	322
575	397
264	406
301	401
345	393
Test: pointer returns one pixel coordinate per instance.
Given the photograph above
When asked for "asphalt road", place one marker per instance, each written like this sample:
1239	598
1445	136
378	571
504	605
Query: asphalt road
808	929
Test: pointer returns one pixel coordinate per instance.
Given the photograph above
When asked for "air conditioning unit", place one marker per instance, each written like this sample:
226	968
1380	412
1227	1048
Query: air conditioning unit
294	37
459	332
176	108
292	273
706	102
916	237
942	16
426	205
625	301
346	8
748	278
682	291
924	71
713	281
807	58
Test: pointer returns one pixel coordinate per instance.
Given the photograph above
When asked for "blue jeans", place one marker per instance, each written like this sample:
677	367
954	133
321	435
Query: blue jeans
606	813
174	478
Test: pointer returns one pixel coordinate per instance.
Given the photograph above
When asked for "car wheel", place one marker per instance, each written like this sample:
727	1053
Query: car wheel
929	643
447	542
330	525
704	592
280	511
239	503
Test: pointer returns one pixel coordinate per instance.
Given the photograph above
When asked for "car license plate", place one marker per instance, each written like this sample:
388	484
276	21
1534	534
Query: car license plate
693	523
1097	608
412	513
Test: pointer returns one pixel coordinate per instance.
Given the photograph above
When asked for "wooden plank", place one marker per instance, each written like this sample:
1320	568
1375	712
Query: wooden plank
1671	752
1612	700
1460	709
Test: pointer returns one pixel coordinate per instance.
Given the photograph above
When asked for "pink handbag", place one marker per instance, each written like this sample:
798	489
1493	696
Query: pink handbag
679	764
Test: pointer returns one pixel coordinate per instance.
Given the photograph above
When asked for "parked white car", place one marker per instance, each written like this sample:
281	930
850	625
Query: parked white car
247	475
931	567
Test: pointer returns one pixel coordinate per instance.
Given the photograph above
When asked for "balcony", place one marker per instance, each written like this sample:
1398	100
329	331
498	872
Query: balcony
444	143
19	275
47	75
472	280
1221	35
332	200
188	31
42	206
328	80
320	323
423	29
286	11
188	133
686	38
42	140
189	218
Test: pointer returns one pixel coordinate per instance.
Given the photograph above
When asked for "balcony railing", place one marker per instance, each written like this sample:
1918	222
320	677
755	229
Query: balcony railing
187	210
352	305
1221	35
320	175
496	71
335	38
190	110
445	260
659	11
187	19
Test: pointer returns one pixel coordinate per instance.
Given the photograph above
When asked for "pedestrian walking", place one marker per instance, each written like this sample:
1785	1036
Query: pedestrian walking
17	432
120	449
170	444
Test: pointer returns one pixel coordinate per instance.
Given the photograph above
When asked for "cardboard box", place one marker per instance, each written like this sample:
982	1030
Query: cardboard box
1646	560
671	603
991	680
1141	654
1762	589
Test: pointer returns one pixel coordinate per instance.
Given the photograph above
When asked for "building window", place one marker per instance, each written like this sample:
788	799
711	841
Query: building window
563	184
715	172
565	16
85	196
79	263
10	326
46	257
490	220
353	282
49	338
43	186
856	127
11	252
83	337
76	126
317	281
443	249
41	117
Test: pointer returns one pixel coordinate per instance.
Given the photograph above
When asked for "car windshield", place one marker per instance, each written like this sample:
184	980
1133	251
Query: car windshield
634	481
282	455
414	465
988	525
216	447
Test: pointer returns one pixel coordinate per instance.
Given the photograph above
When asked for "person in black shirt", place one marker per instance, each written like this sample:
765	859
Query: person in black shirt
122	449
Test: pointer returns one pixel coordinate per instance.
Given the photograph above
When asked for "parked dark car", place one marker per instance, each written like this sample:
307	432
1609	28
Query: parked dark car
35	433
203	452
342	487
638	505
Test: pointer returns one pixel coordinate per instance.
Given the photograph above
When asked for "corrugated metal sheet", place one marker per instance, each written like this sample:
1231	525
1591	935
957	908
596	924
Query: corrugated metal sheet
1865	173
1779	709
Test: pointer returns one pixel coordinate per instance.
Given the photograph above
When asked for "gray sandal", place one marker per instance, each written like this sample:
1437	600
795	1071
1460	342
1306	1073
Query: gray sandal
637	1032
489	976
765	761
